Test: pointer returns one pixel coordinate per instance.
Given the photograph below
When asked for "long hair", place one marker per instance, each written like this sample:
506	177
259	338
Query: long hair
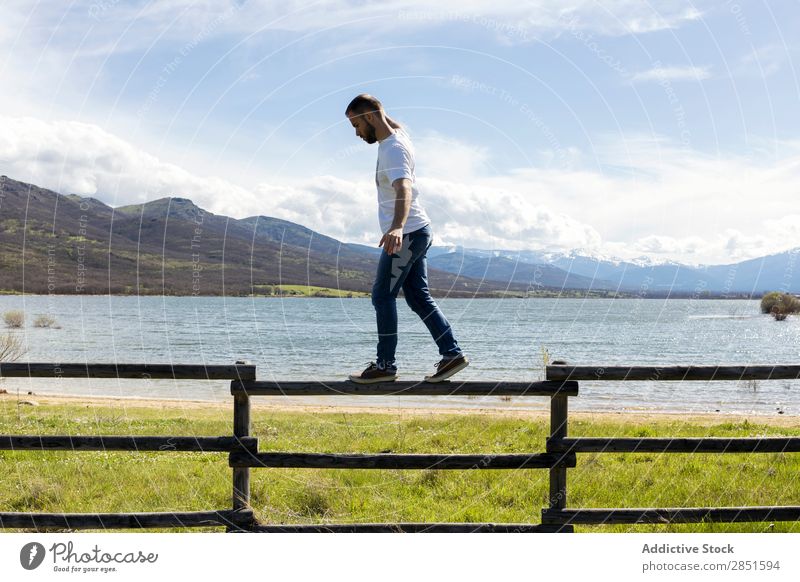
366	103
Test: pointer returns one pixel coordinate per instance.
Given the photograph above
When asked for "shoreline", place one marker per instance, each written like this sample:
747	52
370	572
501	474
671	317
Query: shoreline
632	417
510	295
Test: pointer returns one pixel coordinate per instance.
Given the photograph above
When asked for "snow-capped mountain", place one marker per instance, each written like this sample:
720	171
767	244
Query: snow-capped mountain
643	275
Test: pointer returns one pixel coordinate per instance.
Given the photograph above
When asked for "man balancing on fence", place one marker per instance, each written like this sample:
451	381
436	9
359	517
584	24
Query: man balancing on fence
405	241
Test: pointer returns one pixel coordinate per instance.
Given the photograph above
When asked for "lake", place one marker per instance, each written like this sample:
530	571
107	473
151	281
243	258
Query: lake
325	339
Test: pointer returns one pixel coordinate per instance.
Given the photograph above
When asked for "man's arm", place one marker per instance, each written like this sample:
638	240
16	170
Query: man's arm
392	240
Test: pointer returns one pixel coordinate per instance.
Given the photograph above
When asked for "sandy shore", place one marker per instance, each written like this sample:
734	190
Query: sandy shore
614	417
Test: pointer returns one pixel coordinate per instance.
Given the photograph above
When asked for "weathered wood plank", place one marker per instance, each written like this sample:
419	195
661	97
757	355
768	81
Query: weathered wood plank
400	461
241	429
222	444
678	373
559	413
675	445
413	528
40	521
140	371
399	388
671	515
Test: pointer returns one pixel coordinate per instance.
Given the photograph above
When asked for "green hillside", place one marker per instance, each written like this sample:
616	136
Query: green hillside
52	243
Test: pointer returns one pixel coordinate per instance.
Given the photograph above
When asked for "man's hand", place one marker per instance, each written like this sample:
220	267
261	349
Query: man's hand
392	241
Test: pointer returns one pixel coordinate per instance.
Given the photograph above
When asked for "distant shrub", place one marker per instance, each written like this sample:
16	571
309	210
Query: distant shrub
12	347
780	304
15	318
44	320
769	300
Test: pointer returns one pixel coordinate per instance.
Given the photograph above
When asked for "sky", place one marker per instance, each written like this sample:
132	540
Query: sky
622	129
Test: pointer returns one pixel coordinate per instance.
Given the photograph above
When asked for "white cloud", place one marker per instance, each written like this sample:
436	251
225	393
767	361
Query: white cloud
624	17
463	214
343	209
730	246
765	60
665	74
12	21
449	158
667	245
677	204
480	215
87	52
504	17
787	227
80	158
145	22
658	198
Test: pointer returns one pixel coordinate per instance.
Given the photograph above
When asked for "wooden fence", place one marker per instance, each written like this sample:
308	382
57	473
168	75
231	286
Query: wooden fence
559	442
558	457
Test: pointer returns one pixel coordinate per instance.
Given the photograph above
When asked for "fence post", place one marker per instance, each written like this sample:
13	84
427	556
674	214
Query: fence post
558	430
241	428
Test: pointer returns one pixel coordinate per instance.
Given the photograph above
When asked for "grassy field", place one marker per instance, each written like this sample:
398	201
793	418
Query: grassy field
119	481
306	291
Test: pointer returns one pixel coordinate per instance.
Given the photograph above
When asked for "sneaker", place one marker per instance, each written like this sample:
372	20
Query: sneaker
447	368
375	373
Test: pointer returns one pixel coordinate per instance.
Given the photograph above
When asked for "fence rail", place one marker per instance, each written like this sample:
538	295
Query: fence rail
670	515
413	528
560	450
128	371
405	389
234	520
672	373
220	444
675	445
395	461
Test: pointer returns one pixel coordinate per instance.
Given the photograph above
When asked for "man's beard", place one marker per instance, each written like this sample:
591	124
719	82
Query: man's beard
370	137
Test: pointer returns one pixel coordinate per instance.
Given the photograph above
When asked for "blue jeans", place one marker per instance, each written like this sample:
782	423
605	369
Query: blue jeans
408	270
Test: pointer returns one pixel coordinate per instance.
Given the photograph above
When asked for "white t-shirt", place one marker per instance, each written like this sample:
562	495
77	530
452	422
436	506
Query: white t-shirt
396	160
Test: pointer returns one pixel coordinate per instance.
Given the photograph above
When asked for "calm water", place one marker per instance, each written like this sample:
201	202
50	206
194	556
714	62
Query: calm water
295	339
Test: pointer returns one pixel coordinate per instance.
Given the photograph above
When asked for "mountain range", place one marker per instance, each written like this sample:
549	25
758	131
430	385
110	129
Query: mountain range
642	277
55	243
68	244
